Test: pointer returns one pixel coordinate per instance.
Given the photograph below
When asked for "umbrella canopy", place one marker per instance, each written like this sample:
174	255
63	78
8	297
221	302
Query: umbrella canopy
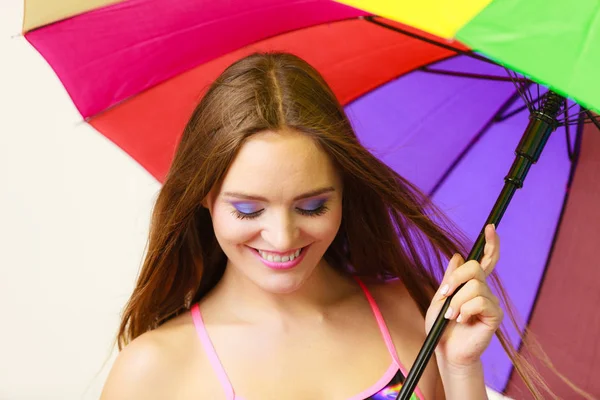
443	119
521	34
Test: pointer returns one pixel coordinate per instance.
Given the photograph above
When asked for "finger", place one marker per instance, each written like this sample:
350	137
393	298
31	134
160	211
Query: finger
470	270
482	308
455	261
491	250
470	291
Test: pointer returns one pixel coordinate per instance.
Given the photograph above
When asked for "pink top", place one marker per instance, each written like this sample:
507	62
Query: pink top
388	385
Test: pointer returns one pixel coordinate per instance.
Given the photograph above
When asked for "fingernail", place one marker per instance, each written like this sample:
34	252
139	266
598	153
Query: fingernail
444	290
460	318
494	226
448	313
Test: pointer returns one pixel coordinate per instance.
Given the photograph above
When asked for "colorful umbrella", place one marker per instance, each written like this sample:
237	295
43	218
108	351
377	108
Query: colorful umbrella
439	114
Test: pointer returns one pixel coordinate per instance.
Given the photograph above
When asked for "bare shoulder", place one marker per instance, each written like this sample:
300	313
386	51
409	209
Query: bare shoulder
401	315
153	364
395	301
138	372
407	328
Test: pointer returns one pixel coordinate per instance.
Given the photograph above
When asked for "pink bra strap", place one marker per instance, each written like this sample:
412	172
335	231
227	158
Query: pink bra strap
387	338
211	353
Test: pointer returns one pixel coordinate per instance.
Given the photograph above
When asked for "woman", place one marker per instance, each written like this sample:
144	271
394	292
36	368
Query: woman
285	261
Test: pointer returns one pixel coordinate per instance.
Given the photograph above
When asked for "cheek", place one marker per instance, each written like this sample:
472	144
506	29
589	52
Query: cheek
230	230
324	228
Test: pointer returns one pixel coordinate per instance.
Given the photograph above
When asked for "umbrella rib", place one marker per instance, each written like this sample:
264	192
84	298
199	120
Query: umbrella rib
510	114
473	141
593	119
577	147
521	88
467	74
514	112
524	89
590	117
526	93
567	131
372	20
528	90
585	120
573	106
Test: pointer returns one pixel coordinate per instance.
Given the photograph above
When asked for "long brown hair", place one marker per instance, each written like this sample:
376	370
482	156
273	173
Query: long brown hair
393	231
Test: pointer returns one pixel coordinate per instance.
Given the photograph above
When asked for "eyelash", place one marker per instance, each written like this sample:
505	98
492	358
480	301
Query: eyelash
309	213
241	215
313	213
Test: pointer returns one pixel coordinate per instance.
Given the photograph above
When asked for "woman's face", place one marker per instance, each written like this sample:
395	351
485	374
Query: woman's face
277	210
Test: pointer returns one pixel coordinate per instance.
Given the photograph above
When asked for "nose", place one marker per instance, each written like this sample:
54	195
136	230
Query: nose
281	232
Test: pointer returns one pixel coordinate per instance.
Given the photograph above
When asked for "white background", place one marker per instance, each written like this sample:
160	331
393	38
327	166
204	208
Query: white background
74	215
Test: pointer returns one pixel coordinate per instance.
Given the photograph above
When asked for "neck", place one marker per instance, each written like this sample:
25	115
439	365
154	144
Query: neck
324	288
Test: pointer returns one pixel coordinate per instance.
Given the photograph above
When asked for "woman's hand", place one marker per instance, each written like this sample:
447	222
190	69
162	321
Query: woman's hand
474	311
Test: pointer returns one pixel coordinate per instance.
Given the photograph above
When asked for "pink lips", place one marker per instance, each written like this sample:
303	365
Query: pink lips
281	265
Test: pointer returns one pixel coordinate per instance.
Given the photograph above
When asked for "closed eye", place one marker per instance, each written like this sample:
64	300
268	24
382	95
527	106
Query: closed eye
313	213
313	207
243	215
246	210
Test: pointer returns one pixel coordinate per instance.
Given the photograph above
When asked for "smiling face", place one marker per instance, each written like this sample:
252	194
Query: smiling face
277	210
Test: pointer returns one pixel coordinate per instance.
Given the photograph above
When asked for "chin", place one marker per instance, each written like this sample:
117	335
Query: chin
282	284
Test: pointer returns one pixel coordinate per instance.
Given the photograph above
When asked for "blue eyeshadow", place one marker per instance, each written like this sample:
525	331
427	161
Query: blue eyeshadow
246	208
312	205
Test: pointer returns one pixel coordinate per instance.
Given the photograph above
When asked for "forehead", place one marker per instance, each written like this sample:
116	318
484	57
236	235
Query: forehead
279	166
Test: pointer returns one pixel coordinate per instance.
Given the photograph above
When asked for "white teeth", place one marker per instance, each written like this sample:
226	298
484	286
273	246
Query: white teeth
277	257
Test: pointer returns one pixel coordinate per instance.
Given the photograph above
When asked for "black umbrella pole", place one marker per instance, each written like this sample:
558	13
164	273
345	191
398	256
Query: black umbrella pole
541	124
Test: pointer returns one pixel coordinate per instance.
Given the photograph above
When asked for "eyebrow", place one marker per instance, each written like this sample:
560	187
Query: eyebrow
306	195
